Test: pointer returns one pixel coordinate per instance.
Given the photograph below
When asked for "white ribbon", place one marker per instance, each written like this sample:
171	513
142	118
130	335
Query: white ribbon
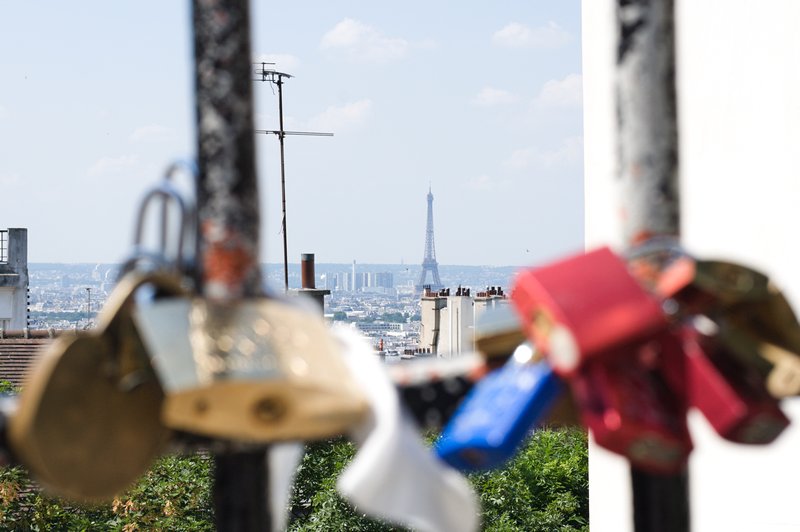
283	460
395	476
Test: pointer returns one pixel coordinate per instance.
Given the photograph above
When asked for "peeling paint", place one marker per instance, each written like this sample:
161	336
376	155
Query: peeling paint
228	208
647	120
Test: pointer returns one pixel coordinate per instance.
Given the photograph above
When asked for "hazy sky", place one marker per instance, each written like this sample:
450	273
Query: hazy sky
479	100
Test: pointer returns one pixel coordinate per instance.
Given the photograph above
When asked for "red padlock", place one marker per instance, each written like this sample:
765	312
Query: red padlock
731	395
585	307
630	409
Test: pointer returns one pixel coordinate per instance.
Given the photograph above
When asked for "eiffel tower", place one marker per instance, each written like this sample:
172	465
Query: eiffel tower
429	264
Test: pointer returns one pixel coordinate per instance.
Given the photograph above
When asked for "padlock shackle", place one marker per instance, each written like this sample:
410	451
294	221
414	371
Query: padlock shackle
167	193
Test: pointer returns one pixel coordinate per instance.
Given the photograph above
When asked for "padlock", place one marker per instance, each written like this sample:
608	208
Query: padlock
777	366
585	307
88	421
89	417
730	394
770	318
431	389
627	404
648	259
755	322
499	412
710	287
564	413
498	332
258	370
760	329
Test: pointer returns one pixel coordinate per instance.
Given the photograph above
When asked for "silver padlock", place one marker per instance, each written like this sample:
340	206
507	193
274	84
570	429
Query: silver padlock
259	370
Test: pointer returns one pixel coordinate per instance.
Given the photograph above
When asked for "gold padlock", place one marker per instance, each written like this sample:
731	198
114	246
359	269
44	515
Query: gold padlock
769	326
88	422
258	370
709	287
770	318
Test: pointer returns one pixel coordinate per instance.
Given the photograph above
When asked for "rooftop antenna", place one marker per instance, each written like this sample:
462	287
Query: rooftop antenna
276	78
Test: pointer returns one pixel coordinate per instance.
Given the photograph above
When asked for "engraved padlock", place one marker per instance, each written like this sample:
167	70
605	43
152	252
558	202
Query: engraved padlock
89	417
431	389
499	412
730	394
631	409
88	422
585	307
257	370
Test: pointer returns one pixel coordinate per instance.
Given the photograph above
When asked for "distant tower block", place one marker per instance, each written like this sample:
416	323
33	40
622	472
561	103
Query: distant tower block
429	264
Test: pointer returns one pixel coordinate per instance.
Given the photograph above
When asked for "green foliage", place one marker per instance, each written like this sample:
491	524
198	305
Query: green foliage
8	387
394	317
316	505
545	488
173	495
340	315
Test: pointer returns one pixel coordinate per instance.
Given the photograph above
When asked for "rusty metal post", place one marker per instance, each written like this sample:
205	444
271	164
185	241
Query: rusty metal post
648	178
647	114
228	213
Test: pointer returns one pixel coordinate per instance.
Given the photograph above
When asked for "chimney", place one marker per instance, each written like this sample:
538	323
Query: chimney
307	270
308	284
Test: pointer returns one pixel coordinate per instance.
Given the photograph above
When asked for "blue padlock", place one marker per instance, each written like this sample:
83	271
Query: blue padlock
497	415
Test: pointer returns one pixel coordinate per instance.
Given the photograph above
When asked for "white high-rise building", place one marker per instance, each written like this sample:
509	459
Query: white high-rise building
13	279
448	320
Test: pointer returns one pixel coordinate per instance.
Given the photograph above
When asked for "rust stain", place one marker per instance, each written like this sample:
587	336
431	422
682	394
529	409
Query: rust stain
227	260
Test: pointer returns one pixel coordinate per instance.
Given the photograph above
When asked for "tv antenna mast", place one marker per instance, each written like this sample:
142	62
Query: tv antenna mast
276	78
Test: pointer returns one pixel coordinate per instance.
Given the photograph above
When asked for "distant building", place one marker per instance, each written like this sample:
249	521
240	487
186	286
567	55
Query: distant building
378	327
360	282
448	320
382	280
13	279
342	282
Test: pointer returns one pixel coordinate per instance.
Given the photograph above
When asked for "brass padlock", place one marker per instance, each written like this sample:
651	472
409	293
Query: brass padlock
780	367
257	370
710	287
88	422
763	332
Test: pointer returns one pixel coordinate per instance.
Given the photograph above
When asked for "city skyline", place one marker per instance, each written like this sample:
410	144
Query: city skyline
481	103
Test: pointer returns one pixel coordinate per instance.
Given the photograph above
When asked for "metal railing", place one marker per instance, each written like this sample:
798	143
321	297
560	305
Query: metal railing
3	245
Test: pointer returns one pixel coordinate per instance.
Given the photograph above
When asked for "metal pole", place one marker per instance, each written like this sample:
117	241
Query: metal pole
228	239
648	176
647	128
281	136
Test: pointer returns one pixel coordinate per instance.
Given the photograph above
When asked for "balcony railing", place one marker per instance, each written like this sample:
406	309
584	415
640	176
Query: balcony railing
3	245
